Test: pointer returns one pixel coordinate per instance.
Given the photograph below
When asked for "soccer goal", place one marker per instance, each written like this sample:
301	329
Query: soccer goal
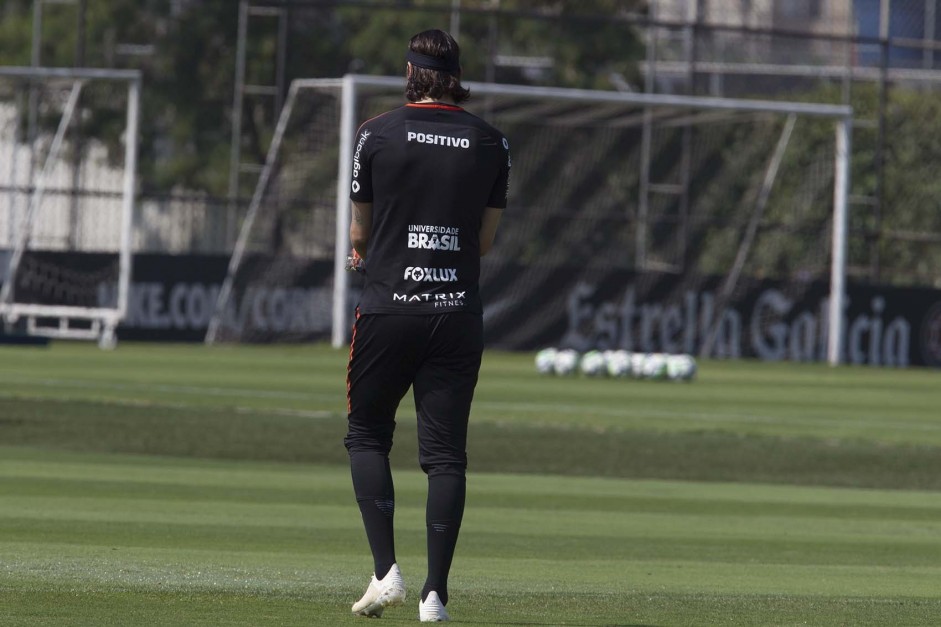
68	152
680	206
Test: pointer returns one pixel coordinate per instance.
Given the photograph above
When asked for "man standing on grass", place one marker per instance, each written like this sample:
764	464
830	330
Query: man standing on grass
429	183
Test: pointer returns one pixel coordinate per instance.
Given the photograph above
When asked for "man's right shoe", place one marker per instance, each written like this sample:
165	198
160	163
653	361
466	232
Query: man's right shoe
431	610
387	592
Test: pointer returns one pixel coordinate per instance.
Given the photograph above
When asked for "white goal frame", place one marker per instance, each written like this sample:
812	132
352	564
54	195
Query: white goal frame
351	84
97	323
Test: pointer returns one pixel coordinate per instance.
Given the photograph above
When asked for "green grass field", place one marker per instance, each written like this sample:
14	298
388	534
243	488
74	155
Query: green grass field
180	485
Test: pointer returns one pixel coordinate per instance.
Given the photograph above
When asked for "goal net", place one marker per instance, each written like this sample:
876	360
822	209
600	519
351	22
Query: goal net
645	222
67	163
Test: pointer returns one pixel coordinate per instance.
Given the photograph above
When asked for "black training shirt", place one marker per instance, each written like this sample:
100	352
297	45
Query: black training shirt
429	171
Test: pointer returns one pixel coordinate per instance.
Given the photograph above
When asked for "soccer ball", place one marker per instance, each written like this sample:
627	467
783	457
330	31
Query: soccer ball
681	367
618	363
593	364
545	361
637	364
655	366
565	362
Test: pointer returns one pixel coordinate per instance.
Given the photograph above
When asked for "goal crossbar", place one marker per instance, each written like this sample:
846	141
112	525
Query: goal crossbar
589	95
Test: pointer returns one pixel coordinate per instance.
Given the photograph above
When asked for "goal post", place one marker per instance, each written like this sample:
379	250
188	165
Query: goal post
594	172
68	156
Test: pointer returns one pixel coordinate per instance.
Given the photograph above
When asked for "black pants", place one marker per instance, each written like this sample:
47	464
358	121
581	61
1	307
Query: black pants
439	357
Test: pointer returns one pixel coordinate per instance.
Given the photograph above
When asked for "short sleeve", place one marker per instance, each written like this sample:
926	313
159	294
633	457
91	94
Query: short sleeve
361	177
501	186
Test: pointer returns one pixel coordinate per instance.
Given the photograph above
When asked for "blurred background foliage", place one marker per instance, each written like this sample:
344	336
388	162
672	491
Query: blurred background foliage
186	50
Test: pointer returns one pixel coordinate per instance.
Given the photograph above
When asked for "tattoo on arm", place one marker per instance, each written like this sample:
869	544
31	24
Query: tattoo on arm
360	227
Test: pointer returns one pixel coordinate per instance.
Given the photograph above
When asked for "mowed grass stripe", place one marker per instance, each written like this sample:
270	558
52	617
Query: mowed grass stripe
576	449
532	522
598	406
601	407
574	521
625	542
524	528
165	608
19	486
142	473
25	463
159	608
803	400
193	570
410	540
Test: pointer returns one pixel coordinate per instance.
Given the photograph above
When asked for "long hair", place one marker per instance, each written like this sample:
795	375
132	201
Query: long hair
427	83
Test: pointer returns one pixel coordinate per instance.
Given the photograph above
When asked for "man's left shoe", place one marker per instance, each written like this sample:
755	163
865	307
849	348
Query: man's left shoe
431	610
387	592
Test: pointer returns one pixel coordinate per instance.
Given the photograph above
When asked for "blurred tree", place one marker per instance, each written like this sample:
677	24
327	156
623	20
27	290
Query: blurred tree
565	43
189	95
186	50
15	32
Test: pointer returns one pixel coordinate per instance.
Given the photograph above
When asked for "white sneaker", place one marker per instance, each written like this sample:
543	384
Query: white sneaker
381	594
431	610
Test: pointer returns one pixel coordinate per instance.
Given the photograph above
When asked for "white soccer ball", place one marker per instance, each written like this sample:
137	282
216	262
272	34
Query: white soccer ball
593	364
565	362
655	366
637	364
545	361
618	363
681	367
